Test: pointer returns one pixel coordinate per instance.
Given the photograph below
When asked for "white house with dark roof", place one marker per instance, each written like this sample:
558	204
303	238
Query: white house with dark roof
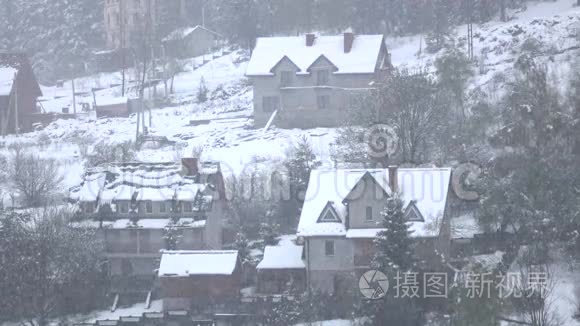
312	81
341	218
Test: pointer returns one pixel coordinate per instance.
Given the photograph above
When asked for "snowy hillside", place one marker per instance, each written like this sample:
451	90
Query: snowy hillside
548	30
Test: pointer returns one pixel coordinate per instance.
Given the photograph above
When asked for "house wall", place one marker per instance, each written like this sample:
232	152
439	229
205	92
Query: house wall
324	272
27	93
367	194
298	101
181	293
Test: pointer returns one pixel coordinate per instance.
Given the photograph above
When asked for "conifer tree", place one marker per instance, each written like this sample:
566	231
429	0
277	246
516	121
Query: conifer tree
394	246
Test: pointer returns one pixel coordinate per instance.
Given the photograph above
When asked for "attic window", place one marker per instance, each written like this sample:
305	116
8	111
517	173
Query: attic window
328	215
412	214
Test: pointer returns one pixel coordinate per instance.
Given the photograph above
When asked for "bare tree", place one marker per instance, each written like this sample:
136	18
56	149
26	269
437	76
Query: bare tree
534	298
36	179
46	262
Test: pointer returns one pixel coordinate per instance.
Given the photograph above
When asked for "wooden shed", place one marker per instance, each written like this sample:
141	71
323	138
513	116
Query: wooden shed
191	42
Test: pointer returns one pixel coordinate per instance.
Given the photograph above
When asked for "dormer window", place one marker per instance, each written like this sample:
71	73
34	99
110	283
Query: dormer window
322	77
286	78
412	214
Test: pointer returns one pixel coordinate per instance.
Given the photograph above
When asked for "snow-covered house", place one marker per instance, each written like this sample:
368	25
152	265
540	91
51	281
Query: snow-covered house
341	218
194	279
19	91
188	42
312	81
142	208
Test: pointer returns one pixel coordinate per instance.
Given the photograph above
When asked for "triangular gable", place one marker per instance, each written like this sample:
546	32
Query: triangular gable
329	215
322	58
282	60
412	213
369	180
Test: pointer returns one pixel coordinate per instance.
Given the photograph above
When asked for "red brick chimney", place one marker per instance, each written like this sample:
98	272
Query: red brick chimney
310	37
190	166
348	41
393	180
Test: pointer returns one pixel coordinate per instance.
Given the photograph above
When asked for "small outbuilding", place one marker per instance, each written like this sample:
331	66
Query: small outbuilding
194	279
19	91
191	42
282	269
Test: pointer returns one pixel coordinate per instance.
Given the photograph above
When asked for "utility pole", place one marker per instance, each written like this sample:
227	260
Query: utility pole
74	103
16	122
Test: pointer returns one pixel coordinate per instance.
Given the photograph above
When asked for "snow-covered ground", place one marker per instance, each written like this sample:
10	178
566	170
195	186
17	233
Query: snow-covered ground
229	137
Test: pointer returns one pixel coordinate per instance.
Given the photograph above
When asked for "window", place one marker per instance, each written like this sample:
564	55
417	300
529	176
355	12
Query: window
323	102
162	208
322	77
187	207
270	103
369	213
89	208
286	78
124	208
149	207
329	248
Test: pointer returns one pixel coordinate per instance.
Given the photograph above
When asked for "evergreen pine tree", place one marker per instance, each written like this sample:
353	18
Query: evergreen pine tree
394	246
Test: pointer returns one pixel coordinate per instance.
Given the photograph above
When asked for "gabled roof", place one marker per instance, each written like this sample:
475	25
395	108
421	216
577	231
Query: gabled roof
370	179
143	182
11	64
322	58
427	188
191	263
285	58
362	59
181	33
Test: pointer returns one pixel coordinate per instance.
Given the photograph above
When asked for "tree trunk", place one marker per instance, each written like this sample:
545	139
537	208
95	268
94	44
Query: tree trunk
503	10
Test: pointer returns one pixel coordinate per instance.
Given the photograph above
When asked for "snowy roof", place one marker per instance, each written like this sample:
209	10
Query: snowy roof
184	32
362	58
186	263
155	224
141	182
7	77
286	255
427	188
363	233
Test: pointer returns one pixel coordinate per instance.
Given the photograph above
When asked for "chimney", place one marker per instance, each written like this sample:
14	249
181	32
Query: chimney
310	37
393	180
189	166
348	41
